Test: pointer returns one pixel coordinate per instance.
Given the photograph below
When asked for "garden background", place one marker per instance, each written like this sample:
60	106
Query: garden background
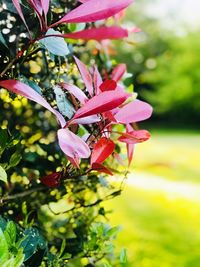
160	207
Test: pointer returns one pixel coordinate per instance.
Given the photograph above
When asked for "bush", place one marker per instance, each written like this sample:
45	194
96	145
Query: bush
54	179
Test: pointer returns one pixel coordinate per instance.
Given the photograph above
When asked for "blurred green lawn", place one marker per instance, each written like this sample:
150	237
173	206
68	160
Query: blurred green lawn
162	229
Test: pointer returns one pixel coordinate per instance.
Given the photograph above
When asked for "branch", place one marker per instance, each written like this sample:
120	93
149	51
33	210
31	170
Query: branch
23	194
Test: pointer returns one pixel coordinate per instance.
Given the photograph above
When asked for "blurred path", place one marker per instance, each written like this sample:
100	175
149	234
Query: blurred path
173	189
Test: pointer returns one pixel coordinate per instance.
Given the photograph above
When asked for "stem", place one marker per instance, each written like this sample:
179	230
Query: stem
23	194
10	64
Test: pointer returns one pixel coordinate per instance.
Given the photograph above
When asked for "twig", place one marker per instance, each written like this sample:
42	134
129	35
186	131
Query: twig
23	194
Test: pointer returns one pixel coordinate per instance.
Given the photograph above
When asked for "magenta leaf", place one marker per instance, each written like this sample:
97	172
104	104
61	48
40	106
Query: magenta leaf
72	145
19	10
86	76
102	150
118	72
98	34
45	6
94	10
134	112
24	90
37	6
97	80
75	91
103	102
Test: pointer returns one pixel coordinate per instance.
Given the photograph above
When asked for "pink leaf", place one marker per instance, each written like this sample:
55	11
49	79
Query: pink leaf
134	112
45	6
102	150
130	147
19	10
98	34
74	161
108	85
86	120
75	91
118	158
94	10
134	137
103	102
130	151
118	72
100	168
37	6
97	80
72	145
87	78
24	90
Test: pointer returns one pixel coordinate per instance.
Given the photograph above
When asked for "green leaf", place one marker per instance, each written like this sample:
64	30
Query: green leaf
3	139
32	84
123	256
32	242
10	233
4	253
55	45
62	248
105	264
3	223
15	159
19	258
112	232
2	40
9	263
3	175
64	106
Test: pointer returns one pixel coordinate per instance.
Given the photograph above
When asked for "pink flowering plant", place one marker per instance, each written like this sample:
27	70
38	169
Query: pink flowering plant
62	123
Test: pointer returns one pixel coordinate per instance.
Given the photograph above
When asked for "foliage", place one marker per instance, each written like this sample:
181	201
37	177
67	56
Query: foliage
164	66
53	173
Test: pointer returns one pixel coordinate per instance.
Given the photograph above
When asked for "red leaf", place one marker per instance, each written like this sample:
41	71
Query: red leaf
24	90
102	150
103	102
134	137
108	85
98	34
51	180
100	168
118	72
94	10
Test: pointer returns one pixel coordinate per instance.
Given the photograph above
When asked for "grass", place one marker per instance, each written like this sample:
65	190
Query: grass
159	229
175	156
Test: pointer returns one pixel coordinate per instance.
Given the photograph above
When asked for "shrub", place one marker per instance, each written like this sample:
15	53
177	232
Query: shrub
58	148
